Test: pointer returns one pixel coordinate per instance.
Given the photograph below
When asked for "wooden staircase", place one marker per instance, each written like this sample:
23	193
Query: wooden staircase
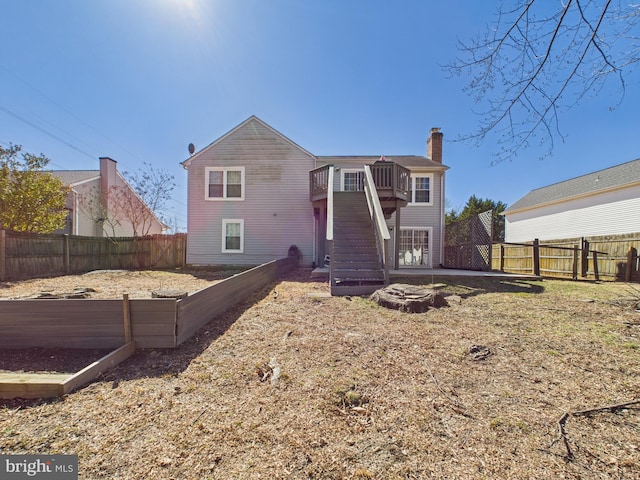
357	268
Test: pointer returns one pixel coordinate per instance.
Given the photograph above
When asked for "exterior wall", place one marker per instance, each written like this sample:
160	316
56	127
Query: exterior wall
414	215
609	213
425	216
276	209
87	197
148	224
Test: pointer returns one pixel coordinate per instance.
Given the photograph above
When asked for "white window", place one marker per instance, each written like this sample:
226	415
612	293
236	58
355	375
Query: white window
352	180
224	183
421	189
414	248
232	236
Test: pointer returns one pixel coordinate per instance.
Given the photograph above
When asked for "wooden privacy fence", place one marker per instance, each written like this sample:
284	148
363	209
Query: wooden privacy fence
596	258
152	323
28	255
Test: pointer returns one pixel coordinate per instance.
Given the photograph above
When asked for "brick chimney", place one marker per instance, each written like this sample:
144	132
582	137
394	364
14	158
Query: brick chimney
434	145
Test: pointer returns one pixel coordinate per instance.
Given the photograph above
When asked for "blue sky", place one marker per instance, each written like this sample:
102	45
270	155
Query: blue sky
138	80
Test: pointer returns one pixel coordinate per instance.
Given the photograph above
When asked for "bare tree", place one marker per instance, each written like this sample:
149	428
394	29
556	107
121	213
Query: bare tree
153	186
540	58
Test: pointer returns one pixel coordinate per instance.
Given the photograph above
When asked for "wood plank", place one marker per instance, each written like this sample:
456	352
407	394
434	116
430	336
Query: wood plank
90	372
31	385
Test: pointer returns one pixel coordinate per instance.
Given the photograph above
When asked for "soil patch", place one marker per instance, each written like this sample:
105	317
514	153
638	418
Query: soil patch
297	384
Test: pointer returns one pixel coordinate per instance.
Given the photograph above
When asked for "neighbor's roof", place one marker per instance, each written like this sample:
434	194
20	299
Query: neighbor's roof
610	178
74	177
409	161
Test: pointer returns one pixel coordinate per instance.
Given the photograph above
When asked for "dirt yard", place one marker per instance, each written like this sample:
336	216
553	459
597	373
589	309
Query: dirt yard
113	283
294	384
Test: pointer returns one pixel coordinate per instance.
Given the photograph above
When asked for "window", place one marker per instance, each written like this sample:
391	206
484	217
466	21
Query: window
352	180
421	189
414	247
232	236
224	183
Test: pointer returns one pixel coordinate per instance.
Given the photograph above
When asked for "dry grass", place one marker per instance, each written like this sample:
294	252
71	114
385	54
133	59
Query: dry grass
297	386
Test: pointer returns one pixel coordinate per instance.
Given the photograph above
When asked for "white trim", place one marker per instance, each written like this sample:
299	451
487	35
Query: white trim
224	171
225	222
412	202
344	171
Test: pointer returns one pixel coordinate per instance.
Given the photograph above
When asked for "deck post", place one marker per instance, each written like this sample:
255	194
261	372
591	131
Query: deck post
396	241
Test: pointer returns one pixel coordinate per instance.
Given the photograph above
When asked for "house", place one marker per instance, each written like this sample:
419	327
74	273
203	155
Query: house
605	202
254	195
101	203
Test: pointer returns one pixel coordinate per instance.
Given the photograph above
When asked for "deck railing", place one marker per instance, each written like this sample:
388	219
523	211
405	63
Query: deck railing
391	180
378	221
389	176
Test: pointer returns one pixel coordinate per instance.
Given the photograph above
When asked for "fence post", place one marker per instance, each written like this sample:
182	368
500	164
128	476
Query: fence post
574	274
536	257
65	249
585	257
631	257
3	255
595	265
502	257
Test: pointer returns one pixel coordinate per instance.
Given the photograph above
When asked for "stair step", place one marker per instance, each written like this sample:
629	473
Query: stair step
359	275
356	265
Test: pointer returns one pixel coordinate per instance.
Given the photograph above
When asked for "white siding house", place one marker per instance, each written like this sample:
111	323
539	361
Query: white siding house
606	202
249	199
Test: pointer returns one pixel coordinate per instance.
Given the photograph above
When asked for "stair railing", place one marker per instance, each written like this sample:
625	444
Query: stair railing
377	218
330	222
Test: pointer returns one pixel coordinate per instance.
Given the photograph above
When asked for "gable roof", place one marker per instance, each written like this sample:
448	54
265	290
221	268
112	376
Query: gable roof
623	175
252	118
74	177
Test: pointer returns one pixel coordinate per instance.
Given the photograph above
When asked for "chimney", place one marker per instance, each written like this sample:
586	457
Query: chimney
107	178
434	145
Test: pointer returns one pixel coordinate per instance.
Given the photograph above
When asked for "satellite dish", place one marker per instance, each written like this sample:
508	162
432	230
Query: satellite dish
192	148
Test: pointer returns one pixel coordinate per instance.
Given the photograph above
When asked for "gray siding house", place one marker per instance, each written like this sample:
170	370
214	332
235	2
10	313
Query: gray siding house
253	194
605	202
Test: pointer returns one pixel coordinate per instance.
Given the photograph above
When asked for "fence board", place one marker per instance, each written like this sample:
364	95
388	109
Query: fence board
604	258
26	255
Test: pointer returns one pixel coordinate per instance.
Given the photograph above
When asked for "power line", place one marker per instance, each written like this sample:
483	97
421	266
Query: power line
69	112
46	132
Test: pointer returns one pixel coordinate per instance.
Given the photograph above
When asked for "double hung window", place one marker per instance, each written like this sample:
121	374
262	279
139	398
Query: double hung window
232	236
224	183
421	185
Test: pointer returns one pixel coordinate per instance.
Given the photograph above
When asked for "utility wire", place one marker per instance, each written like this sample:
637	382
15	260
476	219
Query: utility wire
46	132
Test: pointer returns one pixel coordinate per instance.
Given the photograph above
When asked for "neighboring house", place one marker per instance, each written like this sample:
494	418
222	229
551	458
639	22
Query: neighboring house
605	202
254	193
101	203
